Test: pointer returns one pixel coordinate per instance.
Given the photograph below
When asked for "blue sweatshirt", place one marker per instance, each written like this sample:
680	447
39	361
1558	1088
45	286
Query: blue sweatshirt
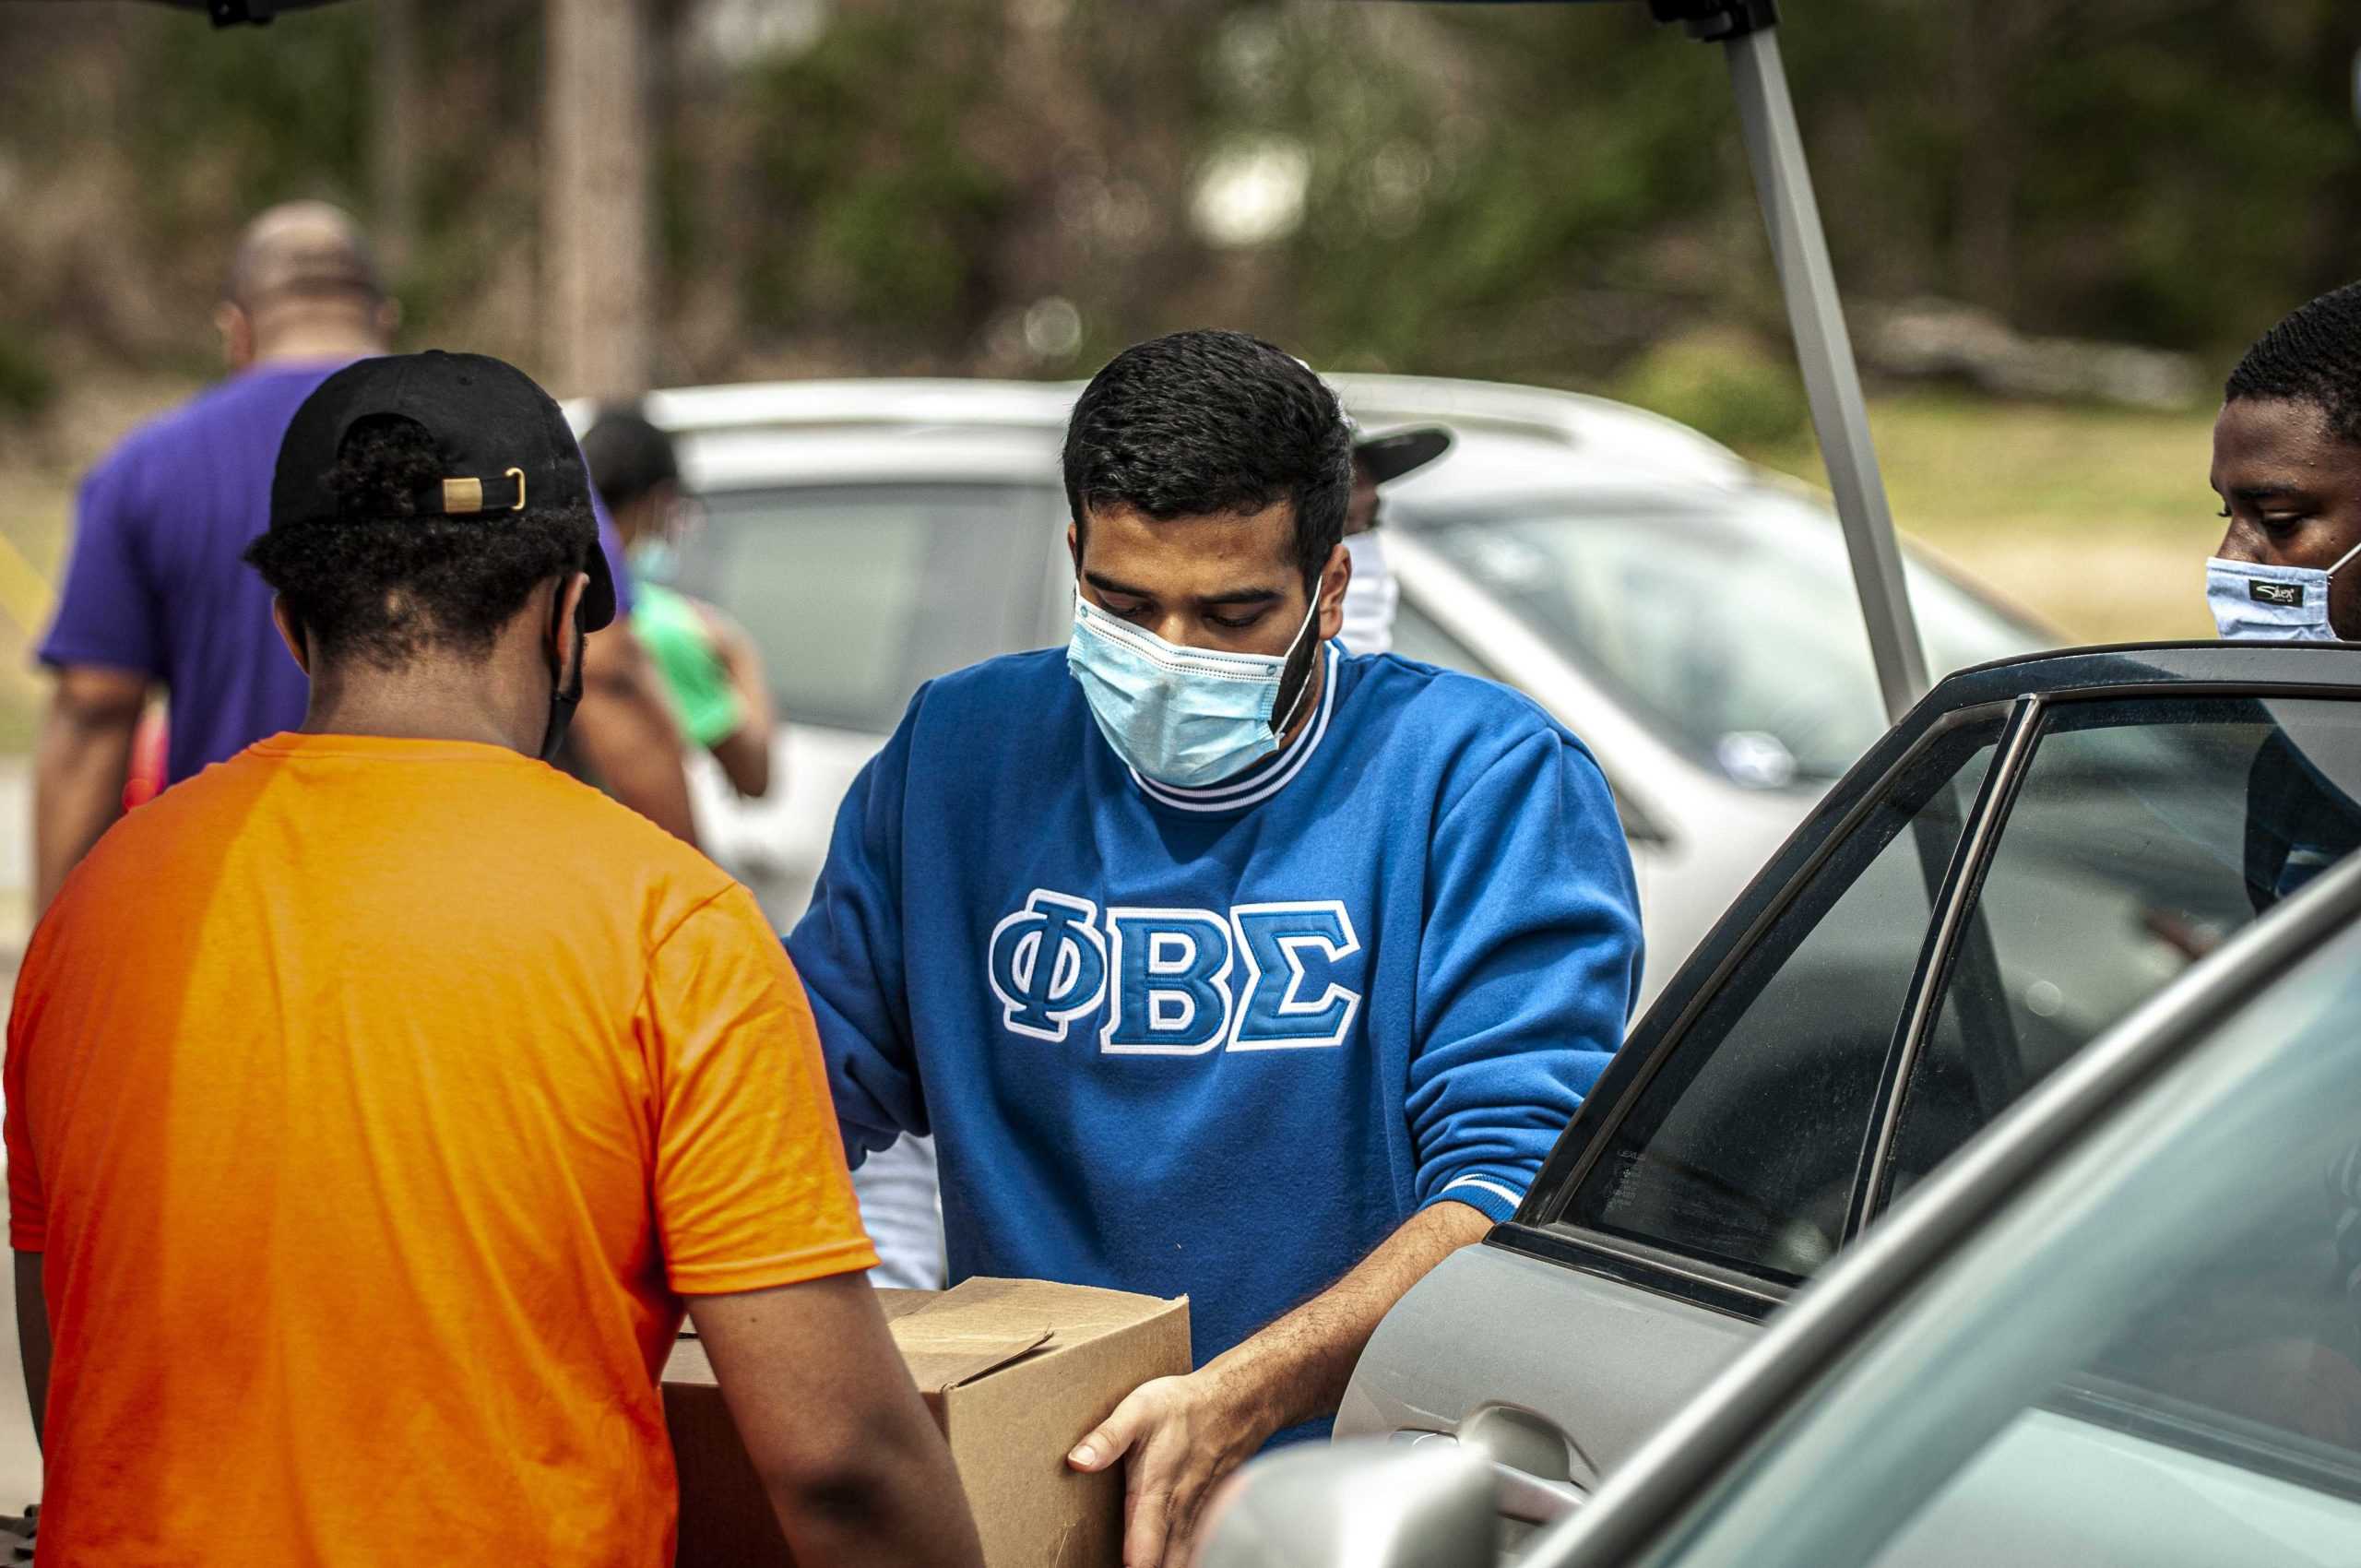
1220	1042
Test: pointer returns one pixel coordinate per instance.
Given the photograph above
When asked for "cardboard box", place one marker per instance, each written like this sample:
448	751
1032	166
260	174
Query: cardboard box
1016	1372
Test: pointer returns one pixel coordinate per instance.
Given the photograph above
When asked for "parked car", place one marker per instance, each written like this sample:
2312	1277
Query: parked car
2036	850
1684	612
2120	1330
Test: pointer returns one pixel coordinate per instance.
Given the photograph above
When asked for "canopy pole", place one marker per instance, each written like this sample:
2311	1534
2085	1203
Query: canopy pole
1823	348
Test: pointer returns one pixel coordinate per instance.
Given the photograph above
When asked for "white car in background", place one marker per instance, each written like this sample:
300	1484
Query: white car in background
1689	615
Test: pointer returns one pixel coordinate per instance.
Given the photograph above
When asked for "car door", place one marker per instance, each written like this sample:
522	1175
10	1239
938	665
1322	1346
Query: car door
855	594
1727	1138
2037	849
2126	1336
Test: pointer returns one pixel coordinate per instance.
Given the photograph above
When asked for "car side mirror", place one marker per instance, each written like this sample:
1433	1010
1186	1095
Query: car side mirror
1351	1505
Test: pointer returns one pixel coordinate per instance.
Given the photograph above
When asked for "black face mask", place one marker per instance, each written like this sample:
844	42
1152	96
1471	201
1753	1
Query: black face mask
1297	668
565	695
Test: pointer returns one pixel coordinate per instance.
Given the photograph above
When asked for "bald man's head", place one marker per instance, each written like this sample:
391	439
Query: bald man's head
302	283
302	250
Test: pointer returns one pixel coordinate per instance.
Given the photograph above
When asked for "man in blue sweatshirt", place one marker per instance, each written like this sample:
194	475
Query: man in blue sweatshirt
1217	961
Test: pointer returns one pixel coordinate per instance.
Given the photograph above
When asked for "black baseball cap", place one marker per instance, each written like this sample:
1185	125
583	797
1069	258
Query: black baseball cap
1395	453
507	445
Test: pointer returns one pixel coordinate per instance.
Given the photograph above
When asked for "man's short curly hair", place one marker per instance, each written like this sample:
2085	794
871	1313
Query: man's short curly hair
1204	423
2313	356
381	584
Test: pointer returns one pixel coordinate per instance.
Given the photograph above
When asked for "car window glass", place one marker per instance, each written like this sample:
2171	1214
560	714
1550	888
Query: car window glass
2147	1357
857	594
1731	628
1743	1147
2144	834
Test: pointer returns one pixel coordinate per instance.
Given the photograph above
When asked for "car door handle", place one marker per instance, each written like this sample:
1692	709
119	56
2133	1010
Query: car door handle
1524	1496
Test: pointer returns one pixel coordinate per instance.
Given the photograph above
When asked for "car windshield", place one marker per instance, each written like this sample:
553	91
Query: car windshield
1732	625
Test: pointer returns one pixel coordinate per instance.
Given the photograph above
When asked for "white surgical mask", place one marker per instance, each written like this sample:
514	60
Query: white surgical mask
2255	602
1369	598
1180	716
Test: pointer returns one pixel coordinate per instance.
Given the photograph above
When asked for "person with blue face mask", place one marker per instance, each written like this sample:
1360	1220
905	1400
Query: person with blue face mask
1219	960
714	674
2287	467
711	670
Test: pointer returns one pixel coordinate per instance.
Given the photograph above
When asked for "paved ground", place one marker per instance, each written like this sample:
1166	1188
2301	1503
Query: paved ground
19	1458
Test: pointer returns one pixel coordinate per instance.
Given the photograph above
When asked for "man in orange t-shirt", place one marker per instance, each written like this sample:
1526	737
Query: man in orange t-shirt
377	1100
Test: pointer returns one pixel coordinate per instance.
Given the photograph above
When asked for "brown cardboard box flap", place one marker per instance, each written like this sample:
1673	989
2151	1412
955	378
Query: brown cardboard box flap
939	1363
1082	1312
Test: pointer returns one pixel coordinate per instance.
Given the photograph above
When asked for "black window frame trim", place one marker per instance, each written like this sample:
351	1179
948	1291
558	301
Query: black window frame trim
1931	984
1947	919
1702	1281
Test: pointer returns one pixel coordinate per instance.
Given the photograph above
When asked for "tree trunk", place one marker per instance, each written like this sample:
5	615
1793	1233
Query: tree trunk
595	229
394	131
1984	216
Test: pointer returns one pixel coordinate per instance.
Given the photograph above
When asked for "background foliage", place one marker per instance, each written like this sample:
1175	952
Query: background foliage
1547	194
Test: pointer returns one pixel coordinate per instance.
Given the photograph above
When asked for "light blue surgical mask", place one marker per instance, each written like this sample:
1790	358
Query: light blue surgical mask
655	559
2255	602
1182	716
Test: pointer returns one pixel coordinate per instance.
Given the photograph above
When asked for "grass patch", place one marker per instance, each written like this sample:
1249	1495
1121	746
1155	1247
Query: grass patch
2098	520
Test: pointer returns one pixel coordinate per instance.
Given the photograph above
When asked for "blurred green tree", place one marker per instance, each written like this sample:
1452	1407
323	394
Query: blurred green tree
1016	187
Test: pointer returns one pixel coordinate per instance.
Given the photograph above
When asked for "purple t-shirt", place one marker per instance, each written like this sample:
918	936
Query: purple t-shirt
155	586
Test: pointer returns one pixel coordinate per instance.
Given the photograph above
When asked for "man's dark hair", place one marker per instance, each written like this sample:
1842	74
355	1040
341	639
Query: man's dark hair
380	584
628	456
1200	424
2313	356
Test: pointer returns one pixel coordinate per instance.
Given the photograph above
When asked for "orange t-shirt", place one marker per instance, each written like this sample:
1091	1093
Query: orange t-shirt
373	1103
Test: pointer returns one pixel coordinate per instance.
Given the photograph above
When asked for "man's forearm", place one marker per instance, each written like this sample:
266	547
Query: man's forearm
855	1468
32	1336
745	667
901	1503
627	735
1301	1363
81	762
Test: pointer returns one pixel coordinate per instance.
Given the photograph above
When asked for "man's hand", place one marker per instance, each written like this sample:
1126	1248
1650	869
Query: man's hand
1180	1435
